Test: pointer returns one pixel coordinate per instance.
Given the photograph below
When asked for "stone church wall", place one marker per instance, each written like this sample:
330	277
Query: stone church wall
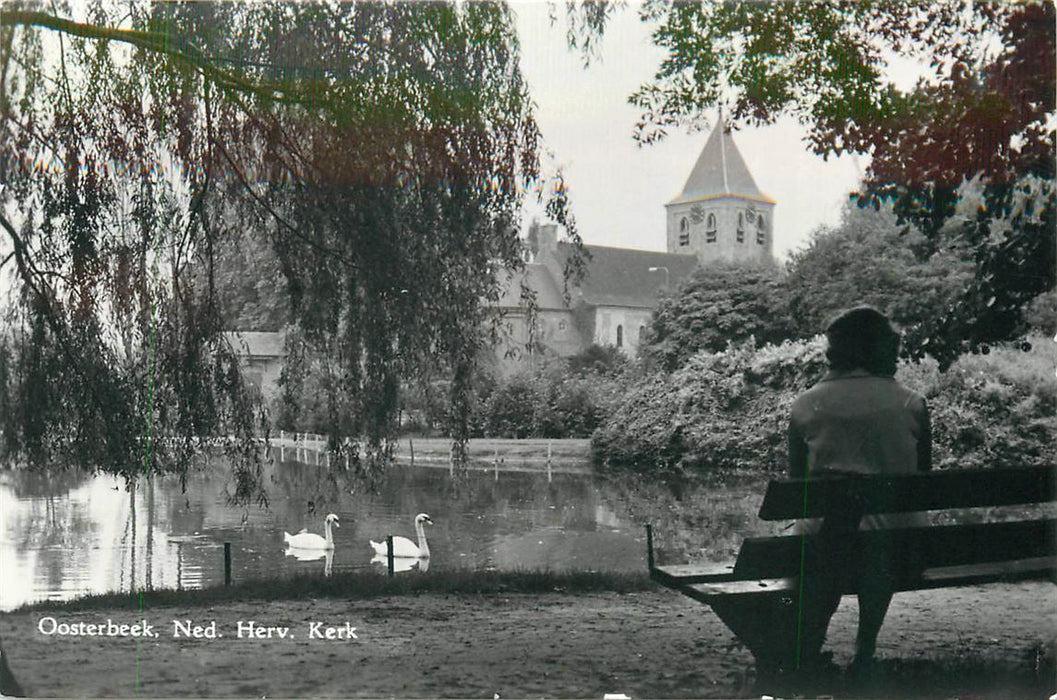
726	246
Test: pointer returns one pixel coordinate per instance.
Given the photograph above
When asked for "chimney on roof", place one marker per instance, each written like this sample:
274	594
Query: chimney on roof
542	238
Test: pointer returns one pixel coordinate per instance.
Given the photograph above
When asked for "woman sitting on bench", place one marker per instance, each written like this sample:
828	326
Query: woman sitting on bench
857	420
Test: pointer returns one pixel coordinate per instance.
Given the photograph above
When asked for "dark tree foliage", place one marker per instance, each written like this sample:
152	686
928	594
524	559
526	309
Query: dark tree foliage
605	360
381	150
251	290
869	259
984	115
719	304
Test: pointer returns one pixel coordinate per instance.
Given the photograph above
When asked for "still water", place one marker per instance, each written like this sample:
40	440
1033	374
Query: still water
65	534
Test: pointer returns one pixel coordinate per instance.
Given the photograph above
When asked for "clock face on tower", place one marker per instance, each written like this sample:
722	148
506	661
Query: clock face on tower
697	214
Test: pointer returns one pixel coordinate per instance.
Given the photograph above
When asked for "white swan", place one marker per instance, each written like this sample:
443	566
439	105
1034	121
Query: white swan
403	547
308	540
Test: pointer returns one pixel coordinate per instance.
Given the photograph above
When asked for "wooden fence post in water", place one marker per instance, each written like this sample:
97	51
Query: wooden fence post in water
495	463
649	547
389	555
548	461
411	444
282	446
451	460
227	563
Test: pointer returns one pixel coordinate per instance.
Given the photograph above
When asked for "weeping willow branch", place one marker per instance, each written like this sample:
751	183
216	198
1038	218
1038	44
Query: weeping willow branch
159	42
28	271
278	217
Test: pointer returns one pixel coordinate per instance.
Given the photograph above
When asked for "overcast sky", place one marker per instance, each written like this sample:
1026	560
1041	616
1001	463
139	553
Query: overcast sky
619	189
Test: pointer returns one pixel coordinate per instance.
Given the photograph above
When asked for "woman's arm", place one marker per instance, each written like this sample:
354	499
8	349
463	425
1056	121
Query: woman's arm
925	439
797	452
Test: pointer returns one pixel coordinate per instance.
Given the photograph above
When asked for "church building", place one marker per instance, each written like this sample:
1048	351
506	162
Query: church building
721	213
719	216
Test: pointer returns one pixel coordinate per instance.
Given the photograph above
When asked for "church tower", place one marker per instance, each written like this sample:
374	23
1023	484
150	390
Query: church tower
721	215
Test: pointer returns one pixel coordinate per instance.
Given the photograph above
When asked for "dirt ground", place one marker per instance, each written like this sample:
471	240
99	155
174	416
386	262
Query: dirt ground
993	641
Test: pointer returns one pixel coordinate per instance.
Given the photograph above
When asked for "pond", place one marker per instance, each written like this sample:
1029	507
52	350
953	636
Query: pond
65	534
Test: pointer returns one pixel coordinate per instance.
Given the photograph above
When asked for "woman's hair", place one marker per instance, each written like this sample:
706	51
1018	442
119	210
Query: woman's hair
862	338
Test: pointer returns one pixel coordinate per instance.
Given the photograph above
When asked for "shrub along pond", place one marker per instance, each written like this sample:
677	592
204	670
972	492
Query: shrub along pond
730	409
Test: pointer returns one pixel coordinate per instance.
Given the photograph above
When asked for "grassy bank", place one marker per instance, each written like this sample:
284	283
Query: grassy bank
487	449
360	586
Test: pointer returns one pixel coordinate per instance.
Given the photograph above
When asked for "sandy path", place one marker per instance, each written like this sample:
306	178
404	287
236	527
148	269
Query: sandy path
653	644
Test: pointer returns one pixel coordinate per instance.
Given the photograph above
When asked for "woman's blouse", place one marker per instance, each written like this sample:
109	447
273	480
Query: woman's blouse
858	422
862	423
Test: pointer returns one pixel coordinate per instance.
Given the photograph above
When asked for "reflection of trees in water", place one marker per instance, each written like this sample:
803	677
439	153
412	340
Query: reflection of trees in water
38	483
703	518
53	522
315	488
60	530
61	536
527	498
522	520
99	530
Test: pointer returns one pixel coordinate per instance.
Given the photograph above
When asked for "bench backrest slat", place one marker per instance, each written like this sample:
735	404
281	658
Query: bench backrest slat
936	546
790	499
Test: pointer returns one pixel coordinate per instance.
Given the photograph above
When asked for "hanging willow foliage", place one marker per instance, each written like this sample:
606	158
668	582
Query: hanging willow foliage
382	149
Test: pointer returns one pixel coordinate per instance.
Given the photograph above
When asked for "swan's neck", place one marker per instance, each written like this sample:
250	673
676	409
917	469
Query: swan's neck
423	548
326	528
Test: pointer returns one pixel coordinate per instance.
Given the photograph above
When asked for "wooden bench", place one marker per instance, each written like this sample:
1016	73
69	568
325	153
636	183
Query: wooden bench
759	595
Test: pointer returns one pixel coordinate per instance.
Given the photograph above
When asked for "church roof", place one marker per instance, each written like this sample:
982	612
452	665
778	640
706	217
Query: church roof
539	279
622	277
720	171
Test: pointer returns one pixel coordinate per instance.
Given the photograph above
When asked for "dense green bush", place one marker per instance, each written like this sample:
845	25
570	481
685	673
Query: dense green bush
869	258
511	410
598	359
555	401
1041	314
992	410
726	409
730	409
720	303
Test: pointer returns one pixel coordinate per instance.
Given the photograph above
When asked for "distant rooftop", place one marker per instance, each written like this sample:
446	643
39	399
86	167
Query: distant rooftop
257	343
537	278
622	276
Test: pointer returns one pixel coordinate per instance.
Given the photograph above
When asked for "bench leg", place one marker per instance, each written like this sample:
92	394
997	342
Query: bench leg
766	623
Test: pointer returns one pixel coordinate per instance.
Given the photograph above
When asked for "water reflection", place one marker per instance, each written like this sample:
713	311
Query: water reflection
64	534
401	564
326	555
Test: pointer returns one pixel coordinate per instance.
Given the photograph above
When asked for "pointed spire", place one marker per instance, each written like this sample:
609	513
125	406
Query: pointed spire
720	170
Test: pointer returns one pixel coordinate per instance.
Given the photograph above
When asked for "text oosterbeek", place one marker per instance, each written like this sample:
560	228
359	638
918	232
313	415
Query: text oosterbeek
191	629
50	626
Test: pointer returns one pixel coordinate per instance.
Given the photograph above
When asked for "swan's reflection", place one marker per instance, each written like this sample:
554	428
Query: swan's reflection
402	563
312	555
